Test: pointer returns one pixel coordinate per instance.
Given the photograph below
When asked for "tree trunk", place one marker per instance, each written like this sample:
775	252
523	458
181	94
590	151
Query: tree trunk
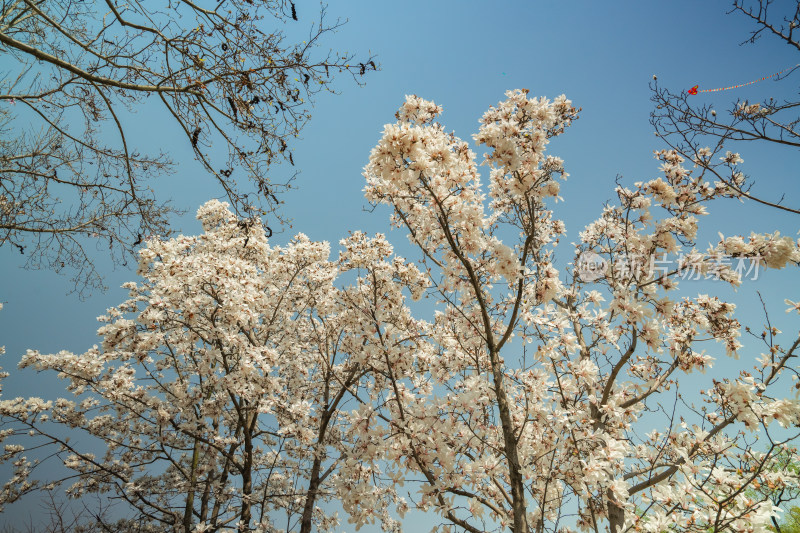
247	482
510	448
187	512
616	514
314	481
311	496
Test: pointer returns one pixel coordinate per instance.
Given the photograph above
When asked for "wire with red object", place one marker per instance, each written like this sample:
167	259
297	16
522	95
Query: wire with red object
694	90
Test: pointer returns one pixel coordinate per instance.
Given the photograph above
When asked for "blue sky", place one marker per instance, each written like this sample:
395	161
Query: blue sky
464	55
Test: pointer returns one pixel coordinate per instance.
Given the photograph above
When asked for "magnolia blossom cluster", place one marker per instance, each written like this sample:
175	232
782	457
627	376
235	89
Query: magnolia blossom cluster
518	131
752	111
776	251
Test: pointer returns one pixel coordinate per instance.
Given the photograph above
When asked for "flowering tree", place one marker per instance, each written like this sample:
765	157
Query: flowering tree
220	403
531	432
254	383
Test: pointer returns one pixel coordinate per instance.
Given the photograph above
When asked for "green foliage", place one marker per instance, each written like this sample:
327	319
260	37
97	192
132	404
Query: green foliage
791	522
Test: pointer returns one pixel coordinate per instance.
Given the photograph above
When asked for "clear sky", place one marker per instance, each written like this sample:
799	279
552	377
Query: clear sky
462	54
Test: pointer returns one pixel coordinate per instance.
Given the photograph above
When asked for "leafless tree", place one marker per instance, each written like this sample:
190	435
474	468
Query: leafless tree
89	515
687	127
235	76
